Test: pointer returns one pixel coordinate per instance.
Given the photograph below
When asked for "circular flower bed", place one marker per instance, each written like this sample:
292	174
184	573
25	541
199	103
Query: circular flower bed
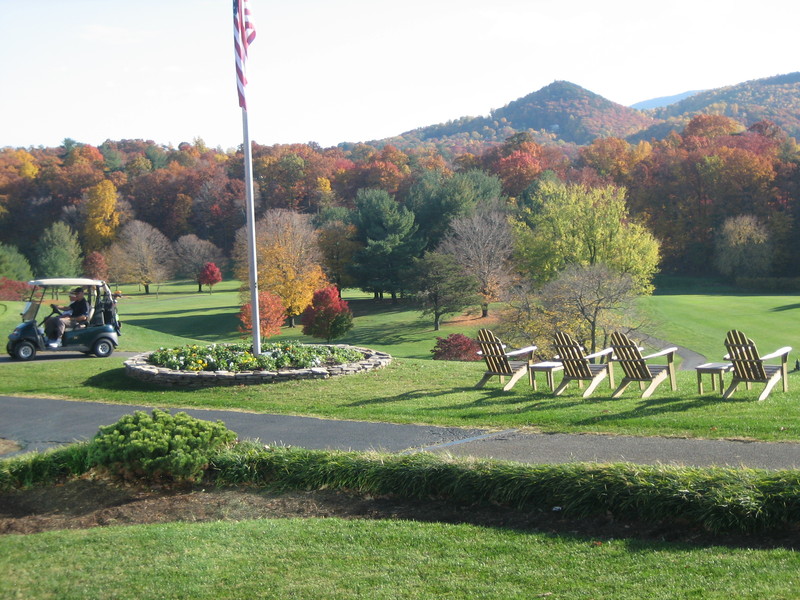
235	364
239	357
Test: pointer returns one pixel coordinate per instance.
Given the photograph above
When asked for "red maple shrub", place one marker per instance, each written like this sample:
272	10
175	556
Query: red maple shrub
271	314
328	316
456	346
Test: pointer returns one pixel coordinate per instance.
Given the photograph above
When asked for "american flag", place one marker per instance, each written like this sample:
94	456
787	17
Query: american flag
244	32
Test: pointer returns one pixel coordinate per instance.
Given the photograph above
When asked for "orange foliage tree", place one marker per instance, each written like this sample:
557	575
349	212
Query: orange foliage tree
271	314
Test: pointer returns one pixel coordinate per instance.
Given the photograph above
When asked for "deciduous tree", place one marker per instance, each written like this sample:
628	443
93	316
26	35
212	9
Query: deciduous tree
141	255
743	248
576	225
95	266
288	259
271	314
482	244
328	316
102	218
441	287
192	254
210	275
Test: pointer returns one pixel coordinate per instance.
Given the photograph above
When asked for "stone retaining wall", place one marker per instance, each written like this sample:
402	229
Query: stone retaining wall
138	368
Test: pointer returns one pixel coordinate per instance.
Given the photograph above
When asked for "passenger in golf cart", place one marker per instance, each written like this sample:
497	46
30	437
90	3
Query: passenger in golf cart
76	314
94	332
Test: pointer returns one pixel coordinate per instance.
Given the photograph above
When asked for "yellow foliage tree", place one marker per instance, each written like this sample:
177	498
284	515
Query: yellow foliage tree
288	259
102	219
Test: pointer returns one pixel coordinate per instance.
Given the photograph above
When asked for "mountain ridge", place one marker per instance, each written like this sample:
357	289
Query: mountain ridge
565	113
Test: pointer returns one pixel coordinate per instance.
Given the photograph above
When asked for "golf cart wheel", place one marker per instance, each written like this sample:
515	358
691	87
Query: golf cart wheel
24	351
103	348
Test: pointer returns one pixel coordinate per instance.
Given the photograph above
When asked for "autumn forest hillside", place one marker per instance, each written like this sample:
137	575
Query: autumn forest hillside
688	173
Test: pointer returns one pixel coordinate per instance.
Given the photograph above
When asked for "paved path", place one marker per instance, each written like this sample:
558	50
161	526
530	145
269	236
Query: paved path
39	424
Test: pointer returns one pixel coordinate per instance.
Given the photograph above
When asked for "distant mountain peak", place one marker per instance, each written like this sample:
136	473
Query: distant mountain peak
566	113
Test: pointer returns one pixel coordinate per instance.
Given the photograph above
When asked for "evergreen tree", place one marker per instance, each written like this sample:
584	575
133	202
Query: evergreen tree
437	199
387	231
58	253
13	265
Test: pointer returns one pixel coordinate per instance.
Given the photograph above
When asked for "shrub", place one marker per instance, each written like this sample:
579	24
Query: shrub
456	346
328	316
159	446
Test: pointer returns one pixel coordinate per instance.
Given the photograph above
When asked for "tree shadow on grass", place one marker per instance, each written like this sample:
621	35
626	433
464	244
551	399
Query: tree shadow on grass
785	307
189	326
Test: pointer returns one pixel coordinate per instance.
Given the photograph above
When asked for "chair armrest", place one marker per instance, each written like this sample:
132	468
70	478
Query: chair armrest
663	352
782	352
526	350
602	352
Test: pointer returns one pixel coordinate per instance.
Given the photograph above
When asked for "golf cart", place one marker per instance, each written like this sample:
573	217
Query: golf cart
97	335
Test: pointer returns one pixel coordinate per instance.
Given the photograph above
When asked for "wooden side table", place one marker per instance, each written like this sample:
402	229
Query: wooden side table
548	368
716	370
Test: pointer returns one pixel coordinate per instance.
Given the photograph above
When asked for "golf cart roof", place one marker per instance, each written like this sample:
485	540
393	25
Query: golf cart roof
65	282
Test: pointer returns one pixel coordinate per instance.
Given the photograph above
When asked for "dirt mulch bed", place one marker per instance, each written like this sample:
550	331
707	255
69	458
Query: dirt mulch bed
85	503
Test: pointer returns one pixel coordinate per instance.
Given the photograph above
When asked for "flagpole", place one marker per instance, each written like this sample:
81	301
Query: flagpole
244	32
255	317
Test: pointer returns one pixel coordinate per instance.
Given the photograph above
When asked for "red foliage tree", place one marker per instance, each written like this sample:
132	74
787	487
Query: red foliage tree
328	316
11	289
209	275
95	266
271	313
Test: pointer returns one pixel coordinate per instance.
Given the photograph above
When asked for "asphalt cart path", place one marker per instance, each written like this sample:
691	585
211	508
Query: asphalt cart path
39	424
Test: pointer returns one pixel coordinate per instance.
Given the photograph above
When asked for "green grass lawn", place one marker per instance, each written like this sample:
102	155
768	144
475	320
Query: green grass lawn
700	322
415	389
333	558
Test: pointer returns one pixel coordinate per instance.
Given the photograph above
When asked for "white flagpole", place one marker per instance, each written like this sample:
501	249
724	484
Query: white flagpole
255	317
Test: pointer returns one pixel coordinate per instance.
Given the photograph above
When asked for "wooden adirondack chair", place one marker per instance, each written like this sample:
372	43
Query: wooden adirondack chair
749	367
635	367
577	366
497	360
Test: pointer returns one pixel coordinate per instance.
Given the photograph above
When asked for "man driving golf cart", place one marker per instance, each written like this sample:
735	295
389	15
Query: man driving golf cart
92	327
76	313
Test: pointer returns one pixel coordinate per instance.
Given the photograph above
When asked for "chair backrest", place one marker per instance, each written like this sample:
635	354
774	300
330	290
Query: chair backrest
571	356
627	353
743	354
493	352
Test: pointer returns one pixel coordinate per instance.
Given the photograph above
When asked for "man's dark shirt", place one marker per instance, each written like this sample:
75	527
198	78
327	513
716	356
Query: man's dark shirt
79	308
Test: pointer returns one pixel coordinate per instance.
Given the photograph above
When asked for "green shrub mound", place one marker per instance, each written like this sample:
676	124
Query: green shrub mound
159	446
240	357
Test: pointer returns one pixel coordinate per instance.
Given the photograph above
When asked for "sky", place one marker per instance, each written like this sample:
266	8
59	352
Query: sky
332	71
